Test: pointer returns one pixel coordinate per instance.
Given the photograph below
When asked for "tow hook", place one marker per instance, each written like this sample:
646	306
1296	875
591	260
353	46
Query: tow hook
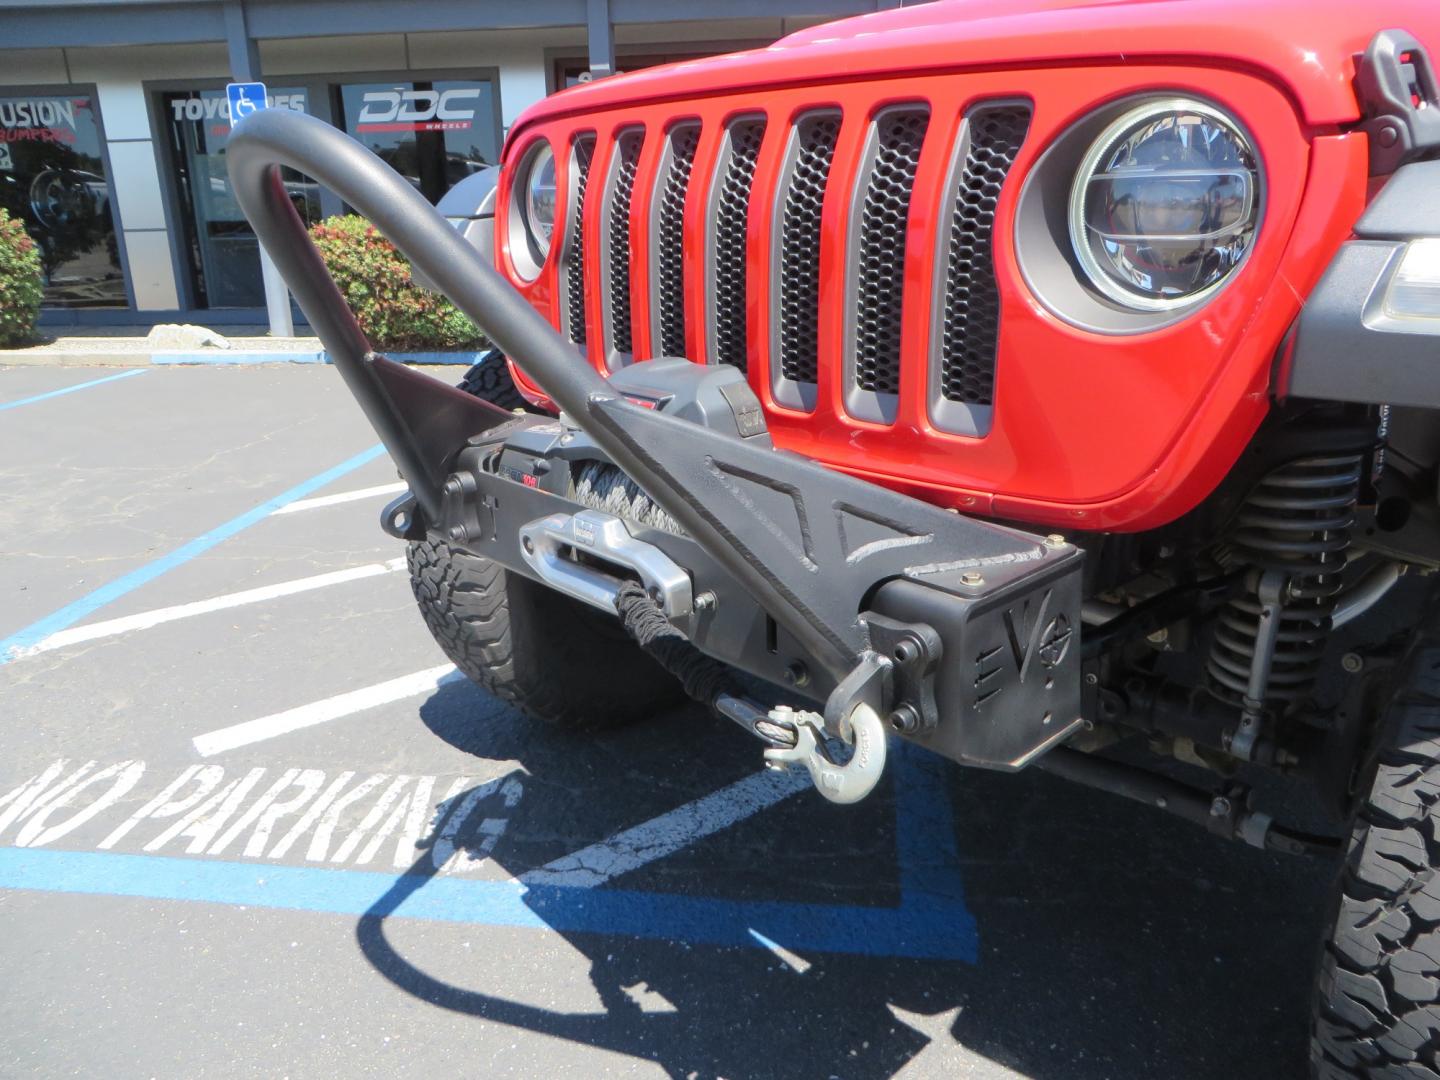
789	734
847	783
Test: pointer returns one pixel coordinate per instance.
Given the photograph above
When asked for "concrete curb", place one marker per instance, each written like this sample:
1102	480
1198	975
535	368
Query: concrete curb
212	357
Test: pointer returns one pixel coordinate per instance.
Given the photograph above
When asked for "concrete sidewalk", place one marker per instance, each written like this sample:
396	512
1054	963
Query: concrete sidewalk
120	346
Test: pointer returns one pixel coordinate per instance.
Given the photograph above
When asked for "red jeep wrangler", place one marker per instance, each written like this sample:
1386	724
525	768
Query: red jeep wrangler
1048	384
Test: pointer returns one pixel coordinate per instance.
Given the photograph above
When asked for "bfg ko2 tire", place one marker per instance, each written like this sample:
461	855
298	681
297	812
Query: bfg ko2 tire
1377	1000
556	659
489	378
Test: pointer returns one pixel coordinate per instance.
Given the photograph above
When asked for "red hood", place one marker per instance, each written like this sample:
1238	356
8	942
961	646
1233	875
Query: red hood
1306	46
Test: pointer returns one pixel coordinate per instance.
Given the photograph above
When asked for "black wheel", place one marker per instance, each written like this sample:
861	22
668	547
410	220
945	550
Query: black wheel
489	378
1377	1000
554	658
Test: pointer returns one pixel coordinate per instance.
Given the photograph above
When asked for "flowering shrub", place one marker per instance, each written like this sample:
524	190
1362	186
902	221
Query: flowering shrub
394	312
21	282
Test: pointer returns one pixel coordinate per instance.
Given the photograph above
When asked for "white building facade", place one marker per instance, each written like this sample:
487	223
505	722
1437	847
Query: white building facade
113	117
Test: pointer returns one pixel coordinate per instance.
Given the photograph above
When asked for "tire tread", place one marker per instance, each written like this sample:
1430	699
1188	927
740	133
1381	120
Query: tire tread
553	658
489	378
1377	1001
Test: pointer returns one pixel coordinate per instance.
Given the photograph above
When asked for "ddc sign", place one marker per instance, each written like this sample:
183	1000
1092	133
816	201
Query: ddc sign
418	110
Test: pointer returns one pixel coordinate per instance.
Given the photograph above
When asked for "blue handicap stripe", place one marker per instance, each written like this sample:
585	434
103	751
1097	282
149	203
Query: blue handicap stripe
931	921
867	931
73	612
925	830
71	389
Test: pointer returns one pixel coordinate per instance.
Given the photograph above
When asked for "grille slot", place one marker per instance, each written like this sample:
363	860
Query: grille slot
616	232
801	200
882	210
572	259
667	232
729	214
968	316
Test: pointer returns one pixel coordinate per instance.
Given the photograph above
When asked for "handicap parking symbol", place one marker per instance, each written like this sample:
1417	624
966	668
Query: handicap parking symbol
245	98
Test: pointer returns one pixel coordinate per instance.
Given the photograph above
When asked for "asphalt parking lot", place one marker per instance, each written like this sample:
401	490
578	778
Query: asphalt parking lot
250	826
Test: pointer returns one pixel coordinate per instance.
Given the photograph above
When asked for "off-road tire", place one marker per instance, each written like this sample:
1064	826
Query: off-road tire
489	378
557	660
1377	999
552	657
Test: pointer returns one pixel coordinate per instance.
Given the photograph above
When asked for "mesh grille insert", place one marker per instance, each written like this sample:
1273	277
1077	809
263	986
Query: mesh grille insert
880	253
573	268
970	327
732	207
627	160
670	241
808	171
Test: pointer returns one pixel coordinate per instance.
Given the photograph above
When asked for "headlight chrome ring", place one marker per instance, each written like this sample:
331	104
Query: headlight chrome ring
1165	205
532	210
540	198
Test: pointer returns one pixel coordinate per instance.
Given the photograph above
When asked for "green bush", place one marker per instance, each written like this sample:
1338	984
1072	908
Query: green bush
394	312
21	283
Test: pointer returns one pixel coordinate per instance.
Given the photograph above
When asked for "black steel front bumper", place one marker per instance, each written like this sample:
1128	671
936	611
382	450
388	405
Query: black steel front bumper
958	630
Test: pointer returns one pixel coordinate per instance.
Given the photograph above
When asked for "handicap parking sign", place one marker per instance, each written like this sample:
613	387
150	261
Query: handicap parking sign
245	98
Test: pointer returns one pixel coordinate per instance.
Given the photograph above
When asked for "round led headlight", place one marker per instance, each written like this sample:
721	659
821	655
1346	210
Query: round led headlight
1165	205
539	201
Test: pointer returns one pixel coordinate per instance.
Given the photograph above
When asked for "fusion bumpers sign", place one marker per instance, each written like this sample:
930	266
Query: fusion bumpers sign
42	119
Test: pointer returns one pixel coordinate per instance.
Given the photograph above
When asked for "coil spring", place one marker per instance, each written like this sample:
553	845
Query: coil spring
1297	521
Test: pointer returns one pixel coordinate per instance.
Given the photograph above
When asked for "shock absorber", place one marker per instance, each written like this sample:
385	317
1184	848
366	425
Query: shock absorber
1293	531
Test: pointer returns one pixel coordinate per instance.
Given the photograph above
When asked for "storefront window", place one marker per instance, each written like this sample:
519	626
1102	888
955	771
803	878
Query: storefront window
223	253
52	177
434	133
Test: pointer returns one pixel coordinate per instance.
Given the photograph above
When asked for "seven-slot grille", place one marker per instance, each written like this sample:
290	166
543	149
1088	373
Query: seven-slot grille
873	194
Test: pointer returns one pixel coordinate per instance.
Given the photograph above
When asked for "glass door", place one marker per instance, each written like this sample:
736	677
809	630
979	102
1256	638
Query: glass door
221	248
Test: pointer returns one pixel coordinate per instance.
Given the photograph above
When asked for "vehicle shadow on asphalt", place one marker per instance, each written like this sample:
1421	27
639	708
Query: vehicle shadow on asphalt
1113	941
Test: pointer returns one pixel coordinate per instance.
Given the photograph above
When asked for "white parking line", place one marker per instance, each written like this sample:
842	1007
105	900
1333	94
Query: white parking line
321	712
341	497
668	833
146	619
794	961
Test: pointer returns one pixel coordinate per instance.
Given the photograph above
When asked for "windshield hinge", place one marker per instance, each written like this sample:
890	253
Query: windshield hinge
1399	101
